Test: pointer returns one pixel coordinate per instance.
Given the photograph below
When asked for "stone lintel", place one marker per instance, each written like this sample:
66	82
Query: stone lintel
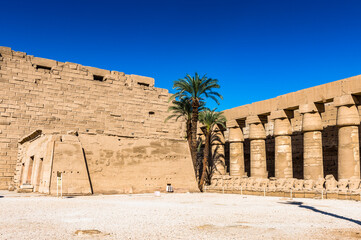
98	71
30	136
143	80
44	62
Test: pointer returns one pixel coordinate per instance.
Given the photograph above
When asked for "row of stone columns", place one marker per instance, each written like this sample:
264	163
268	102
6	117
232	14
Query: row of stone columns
348	120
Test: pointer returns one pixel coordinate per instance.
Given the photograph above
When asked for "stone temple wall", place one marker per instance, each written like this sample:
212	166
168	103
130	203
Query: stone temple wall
56	97
102	164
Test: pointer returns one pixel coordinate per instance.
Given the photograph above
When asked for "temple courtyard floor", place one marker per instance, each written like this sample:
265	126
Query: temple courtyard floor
176	216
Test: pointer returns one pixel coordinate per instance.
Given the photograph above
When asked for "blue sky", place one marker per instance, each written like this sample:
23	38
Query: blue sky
256	49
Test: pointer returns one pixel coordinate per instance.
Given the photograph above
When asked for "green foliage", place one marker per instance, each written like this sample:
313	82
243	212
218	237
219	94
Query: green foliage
180	108
197	88
189	100
210	118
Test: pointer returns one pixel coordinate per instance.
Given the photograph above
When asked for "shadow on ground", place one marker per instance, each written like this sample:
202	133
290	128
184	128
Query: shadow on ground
301	205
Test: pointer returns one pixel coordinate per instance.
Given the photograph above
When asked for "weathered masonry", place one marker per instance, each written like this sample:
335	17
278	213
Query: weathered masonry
118	120
304	136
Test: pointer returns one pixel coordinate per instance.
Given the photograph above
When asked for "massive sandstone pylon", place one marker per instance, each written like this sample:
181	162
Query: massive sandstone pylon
119	119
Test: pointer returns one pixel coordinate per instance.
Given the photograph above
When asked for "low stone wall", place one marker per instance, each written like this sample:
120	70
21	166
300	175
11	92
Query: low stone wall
326	188
102	164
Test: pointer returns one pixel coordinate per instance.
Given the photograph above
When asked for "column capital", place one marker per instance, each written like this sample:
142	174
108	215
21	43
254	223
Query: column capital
347	115
253	119
282	127
344	100
218	137
235	135
231	123
308	108
257	131
278	114
311	122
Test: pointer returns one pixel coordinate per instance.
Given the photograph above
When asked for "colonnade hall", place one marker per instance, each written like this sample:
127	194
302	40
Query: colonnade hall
308	134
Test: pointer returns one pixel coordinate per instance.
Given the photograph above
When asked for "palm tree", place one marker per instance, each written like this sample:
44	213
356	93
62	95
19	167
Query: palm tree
209	118
196	89
182	108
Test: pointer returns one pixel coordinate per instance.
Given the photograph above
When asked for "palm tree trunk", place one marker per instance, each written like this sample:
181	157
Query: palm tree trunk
189	140
205	160
195	106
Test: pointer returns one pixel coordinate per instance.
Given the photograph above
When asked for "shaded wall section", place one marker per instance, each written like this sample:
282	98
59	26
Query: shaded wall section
297	155
270	155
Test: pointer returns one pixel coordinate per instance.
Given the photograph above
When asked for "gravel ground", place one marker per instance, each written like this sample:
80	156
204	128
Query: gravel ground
176	216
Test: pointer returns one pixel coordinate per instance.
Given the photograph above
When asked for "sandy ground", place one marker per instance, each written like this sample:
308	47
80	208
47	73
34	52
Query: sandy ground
176	216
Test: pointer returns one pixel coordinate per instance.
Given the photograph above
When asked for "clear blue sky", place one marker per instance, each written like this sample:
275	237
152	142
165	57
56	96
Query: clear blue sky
256	49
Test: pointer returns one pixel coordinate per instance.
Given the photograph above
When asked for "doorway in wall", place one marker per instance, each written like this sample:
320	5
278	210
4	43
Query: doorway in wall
30	170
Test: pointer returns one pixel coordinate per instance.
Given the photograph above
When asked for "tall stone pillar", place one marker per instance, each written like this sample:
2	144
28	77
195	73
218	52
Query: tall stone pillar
218	154
348	120
236	151
312	142
283	145
257	136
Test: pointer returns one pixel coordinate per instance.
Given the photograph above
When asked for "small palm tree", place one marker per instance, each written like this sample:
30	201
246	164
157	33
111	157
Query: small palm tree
209	118
182	108
196	89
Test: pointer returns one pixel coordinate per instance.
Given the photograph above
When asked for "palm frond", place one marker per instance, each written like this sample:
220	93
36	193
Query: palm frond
211	118
197	88
180	108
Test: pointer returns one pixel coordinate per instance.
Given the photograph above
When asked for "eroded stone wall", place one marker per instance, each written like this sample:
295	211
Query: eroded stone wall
44	94
102	164
126	165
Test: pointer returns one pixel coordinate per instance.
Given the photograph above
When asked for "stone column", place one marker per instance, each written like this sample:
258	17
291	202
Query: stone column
348	120
217	141
257	136
236	152
312	142
283	146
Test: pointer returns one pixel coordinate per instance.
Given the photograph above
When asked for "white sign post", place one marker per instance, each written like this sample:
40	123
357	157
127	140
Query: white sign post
59	184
